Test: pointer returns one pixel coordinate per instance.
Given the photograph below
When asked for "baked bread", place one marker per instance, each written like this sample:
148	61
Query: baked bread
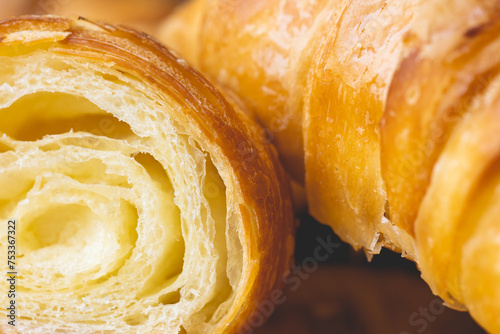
396	102
145	199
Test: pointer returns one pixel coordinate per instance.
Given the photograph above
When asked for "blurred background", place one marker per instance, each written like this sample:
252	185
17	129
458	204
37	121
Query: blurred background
145	15
332	289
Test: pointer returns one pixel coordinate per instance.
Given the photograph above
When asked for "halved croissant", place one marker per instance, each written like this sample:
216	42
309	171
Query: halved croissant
398	103
145	200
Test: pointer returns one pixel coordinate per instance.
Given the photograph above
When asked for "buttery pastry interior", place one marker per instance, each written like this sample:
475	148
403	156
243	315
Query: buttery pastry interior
145	201
396	105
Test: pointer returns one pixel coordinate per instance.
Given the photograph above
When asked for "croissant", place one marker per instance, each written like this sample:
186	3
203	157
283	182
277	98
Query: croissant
397	106
141	198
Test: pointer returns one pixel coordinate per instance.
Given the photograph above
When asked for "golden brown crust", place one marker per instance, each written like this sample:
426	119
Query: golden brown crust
441	175
344	105
399	105
291	62
264	47
221	129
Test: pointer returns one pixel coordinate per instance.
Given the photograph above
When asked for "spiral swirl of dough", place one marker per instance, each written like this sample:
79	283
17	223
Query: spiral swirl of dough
145	201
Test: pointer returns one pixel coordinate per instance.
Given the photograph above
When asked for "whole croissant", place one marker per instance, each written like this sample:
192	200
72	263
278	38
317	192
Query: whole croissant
398	107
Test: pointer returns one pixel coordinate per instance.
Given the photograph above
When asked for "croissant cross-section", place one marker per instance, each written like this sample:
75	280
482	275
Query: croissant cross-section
143	199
